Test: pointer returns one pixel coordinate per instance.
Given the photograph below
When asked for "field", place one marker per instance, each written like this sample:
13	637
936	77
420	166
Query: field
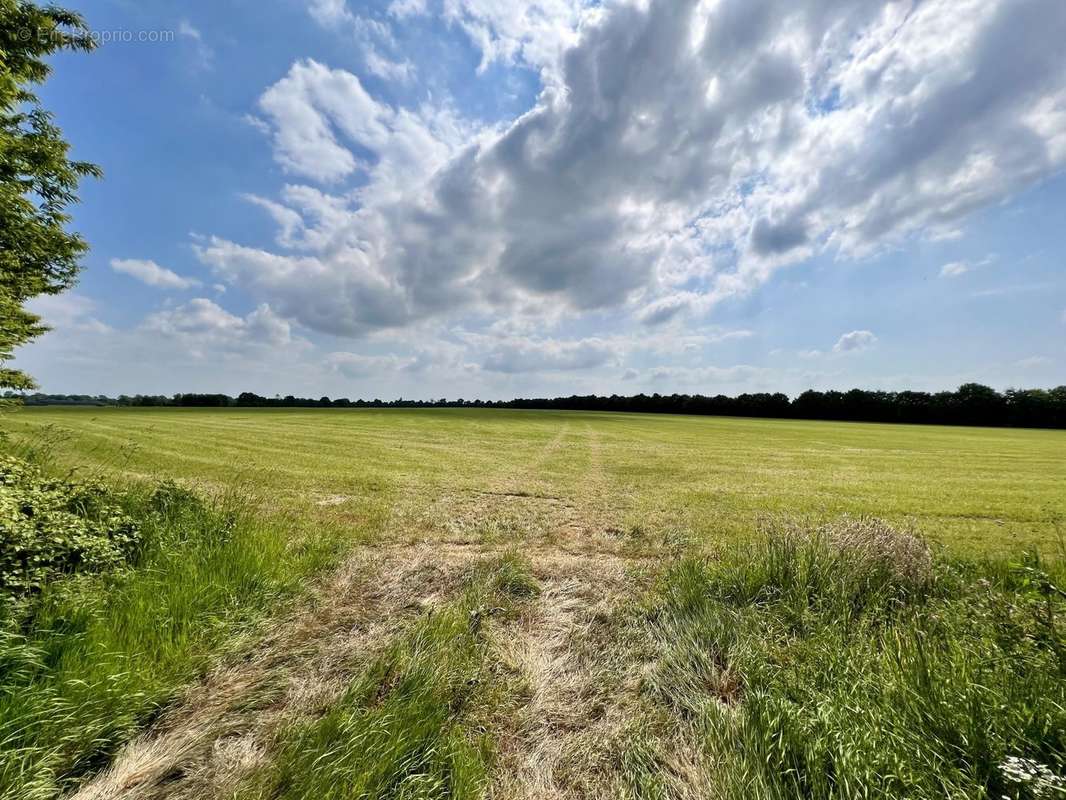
406	474
465	604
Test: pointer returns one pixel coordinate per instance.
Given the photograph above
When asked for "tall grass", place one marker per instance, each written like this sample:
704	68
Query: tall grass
850	663
406	728
89	660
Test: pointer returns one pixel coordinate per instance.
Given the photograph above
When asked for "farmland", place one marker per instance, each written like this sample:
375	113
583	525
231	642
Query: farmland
411	474
471	603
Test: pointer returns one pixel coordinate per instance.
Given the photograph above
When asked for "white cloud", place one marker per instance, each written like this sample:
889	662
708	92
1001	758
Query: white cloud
407	8
667	308
205	56
152	274
185	28
374	37
709	378
205	329
357	366
548	355
401	71
955	269
855	342
330	12
69	312
535	32
681	153
318	113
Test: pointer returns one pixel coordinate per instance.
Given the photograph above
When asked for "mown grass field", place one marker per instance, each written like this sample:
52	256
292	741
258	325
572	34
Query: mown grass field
461	604
397	472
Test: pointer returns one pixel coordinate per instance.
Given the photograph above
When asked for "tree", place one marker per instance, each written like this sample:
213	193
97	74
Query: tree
38	255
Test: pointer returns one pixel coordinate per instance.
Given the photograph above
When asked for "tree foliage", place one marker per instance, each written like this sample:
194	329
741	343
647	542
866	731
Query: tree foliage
971	404
38	181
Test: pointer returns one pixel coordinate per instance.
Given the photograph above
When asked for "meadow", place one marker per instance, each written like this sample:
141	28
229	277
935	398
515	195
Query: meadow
405	473
482	603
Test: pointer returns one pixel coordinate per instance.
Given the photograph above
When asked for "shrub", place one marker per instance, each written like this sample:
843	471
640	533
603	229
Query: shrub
49	528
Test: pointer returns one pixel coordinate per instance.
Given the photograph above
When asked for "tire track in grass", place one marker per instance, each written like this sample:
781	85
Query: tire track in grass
582	718
570	695
559	499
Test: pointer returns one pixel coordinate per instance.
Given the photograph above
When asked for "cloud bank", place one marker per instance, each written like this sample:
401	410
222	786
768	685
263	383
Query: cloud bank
680	153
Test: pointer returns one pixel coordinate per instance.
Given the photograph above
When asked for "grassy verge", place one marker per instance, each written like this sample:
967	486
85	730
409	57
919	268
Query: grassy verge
852	663
87	658
412	725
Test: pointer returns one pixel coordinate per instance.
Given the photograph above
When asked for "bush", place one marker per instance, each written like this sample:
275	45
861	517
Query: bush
50	528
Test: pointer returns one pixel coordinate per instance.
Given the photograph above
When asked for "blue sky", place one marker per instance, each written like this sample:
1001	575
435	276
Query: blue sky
431	198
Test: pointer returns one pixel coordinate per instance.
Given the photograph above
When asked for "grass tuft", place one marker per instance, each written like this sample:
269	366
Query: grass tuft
850	662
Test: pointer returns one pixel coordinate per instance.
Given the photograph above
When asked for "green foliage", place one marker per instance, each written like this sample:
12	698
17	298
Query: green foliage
37	179
815	671
49	528
90	657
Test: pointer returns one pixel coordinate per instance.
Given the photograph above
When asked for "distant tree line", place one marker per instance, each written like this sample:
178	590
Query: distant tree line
971	404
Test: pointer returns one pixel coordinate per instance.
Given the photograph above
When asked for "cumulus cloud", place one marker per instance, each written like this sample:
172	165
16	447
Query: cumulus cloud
535	32
204	328
152	274
680	153
855	342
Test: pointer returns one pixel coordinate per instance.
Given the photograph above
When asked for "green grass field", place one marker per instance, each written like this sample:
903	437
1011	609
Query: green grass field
399	472
461	604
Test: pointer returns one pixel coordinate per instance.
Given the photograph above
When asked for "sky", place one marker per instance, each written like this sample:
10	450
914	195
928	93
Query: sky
497	198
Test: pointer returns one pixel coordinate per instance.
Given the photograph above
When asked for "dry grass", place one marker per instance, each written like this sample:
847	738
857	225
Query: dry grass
580	728
220	730
877	546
